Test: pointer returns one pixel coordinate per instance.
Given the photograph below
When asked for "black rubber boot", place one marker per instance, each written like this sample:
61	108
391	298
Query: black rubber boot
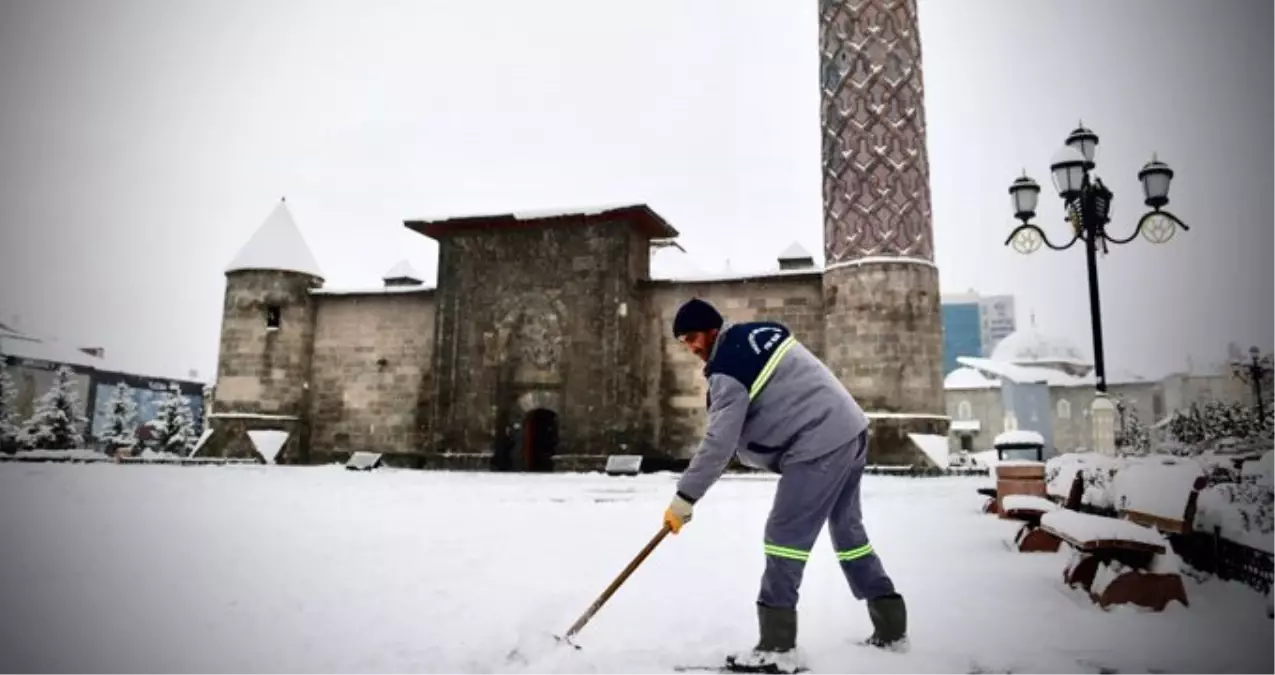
777	629
776	645
889	616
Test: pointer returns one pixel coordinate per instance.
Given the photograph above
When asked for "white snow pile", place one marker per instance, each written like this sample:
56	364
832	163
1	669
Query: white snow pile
1157	488
268	442
1097	469
1087	527
1018	437
936	448
1028	503
1242	511
320	569
76	455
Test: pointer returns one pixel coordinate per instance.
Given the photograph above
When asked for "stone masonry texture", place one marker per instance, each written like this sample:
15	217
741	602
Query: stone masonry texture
560	314
371	386
264	372
876	174
438	378
884	330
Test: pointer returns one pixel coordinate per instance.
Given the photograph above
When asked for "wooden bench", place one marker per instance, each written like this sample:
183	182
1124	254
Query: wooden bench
1160	494
990	505
1117	561
1029	509
1013	477
1128	560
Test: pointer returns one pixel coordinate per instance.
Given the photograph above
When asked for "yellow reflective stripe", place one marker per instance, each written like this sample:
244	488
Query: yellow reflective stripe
855	553
785	552
769	369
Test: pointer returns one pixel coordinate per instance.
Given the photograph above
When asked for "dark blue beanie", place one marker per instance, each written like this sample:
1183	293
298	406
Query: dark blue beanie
695	315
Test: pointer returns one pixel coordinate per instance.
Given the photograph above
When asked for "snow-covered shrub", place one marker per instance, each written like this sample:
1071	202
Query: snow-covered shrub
10	427
1244	510
121	421
1218	425
57	423
1133	437
173	429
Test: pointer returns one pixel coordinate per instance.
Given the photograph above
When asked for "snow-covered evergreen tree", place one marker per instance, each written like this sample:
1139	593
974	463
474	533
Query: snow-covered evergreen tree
10	427
121	421
173	428
1134	437
57	423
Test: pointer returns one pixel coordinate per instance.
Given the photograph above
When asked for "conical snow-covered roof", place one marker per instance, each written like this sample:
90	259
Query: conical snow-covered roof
795	251
277	245
403	270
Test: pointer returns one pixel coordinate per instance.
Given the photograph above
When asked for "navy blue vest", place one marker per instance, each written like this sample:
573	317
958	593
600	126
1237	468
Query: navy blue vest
749	352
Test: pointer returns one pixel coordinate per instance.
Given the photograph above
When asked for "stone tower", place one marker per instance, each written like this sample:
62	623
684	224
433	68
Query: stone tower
267	343
881	287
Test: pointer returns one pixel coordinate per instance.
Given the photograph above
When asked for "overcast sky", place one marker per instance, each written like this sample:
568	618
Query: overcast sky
142	143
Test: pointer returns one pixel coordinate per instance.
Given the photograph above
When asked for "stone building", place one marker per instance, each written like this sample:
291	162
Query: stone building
512	361
31	361
1041	383
546	342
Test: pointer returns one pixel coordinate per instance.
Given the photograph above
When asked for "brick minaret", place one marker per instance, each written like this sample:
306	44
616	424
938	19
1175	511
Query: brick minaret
881	287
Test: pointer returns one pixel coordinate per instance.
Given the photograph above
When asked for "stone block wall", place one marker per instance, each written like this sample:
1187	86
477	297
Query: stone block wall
676	387
371	376
985	407
261	370
538	317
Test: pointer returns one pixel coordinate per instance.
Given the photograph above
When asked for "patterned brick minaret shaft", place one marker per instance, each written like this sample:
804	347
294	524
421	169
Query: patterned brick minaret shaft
883	321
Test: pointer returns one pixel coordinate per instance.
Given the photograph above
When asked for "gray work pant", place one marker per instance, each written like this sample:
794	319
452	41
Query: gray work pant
810	494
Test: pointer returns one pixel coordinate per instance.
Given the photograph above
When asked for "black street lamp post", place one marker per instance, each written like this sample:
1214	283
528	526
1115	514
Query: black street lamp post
1256	370
1088	204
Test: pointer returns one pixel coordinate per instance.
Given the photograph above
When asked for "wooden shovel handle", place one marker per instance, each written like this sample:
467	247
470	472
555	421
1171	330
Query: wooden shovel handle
619	580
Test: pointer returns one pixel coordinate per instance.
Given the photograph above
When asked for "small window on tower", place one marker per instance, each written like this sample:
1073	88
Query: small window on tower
273	315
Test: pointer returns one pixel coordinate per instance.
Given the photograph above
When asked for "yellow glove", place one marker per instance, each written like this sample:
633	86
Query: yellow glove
677	514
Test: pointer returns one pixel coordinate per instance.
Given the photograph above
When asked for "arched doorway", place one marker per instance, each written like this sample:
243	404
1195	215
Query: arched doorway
539	439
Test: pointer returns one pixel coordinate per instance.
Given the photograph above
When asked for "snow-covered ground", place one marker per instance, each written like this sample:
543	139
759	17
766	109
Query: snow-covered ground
282	569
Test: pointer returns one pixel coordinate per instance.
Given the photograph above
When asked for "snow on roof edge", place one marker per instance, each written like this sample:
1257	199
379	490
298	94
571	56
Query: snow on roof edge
373	290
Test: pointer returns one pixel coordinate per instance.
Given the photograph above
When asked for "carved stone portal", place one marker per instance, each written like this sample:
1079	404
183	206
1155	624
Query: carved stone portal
532	337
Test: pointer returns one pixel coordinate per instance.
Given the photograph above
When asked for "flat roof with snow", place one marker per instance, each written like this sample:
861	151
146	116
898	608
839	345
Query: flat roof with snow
641	216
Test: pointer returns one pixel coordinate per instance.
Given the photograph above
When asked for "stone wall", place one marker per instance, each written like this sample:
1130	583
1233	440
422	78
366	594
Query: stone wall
884	337
676	386
371	377
540	316
984	407
262	370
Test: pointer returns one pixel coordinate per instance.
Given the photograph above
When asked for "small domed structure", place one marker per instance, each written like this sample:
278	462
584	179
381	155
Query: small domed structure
965	378
1029	347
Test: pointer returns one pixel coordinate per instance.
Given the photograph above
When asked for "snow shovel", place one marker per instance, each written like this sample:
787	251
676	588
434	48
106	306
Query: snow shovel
615	585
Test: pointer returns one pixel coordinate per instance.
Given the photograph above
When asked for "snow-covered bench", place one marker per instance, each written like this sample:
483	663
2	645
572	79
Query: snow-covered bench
1030	509
991	504
1160	493
1116	561
1013	477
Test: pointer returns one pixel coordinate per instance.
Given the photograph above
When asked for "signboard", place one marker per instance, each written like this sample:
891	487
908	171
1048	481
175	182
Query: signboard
998	318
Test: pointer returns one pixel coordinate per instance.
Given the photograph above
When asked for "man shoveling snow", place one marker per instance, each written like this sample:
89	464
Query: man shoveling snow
779	408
